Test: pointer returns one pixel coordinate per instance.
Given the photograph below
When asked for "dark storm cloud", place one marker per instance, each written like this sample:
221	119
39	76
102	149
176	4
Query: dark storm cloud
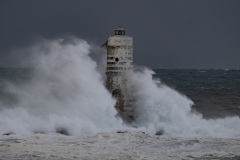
167	34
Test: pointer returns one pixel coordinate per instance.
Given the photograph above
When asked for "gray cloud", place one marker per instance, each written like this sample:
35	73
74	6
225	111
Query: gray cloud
167	34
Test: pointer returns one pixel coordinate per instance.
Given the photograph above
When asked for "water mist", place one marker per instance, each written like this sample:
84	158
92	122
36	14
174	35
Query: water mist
66	91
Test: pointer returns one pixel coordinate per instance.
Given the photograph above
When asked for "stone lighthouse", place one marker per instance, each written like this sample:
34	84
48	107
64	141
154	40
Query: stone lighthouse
119	67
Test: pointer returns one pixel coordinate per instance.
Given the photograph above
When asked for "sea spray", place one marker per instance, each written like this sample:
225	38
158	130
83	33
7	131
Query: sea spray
65	91
161	109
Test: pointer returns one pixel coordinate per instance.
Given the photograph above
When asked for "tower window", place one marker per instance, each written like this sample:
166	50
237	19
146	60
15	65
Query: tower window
119	32
116	59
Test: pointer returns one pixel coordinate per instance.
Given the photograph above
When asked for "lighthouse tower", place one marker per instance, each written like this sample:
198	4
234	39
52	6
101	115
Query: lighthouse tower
119	65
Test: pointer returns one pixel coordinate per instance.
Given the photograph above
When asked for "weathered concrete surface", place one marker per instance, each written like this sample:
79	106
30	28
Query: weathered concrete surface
119	65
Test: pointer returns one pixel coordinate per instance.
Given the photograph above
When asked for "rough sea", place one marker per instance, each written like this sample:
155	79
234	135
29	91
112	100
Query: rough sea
215	92
54	105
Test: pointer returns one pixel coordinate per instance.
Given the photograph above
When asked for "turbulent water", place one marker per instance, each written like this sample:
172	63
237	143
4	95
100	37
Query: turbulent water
55	86
216	93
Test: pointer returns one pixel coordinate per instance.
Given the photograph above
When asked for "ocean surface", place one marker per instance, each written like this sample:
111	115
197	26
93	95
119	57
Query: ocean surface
54	105
215	93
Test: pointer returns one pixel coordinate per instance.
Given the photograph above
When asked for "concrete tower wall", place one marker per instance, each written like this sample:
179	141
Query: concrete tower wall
119	54
119	64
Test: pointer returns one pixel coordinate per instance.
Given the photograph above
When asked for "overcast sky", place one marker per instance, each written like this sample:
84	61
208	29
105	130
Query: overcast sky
195	34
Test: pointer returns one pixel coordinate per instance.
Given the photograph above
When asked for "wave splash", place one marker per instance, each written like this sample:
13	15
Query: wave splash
163	110
67	91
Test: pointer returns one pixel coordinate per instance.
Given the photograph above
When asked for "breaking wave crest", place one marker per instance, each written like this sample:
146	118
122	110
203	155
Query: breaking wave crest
67	92
163	110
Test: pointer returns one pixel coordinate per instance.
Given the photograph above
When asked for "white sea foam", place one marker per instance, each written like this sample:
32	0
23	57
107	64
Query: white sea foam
129	145
67	91
160	108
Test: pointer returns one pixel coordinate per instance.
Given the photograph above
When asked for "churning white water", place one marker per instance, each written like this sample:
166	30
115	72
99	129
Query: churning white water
162	109
67	91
